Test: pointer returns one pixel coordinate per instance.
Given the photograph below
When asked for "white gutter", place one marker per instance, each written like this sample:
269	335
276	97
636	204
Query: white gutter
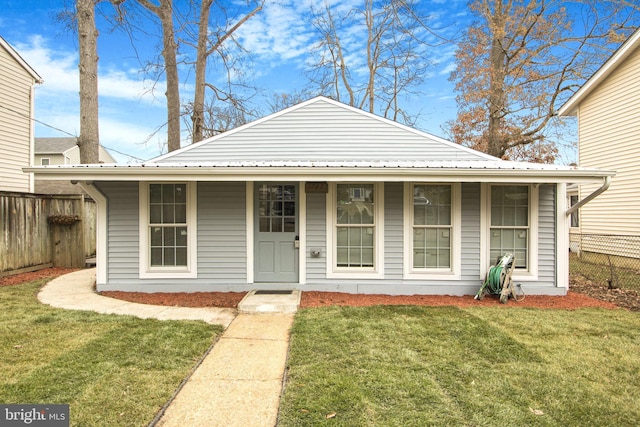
605	187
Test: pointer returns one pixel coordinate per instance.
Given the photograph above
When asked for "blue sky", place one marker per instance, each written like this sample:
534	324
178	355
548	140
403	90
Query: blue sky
132	106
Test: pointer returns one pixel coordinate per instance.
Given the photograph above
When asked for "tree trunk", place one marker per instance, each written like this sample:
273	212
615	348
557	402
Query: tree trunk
496	96
169	52
201	68
88	69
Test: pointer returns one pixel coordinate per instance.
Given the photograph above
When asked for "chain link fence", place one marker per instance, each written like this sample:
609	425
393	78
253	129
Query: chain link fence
612	260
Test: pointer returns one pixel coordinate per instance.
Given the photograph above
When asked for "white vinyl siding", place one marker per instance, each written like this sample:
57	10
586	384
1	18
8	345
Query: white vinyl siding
16	129
609	128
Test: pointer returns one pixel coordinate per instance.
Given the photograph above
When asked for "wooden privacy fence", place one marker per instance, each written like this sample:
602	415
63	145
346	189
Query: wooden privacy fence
45	230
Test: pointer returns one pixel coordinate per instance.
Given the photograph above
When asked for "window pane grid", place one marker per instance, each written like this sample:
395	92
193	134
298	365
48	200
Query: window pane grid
355	246
509	231
168	225
432	216
277	208
355	225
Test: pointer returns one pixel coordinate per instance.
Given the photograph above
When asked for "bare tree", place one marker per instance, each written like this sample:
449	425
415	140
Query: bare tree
88	140
207	45
164	12
280	101
519	62
374	70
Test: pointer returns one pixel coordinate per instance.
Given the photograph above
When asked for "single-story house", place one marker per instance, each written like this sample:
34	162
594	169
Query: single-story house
324	196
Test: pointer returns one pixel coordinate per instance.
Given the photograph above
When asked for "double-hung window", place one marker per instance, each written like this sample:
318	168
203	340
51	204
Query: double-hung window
355	226
432	230
167	235
512	227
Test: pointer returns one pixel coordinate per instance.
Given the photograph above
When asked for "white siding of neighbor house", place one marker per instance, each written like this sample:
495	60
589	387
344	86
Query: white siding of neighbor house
609	134
15	126
222	245
323	130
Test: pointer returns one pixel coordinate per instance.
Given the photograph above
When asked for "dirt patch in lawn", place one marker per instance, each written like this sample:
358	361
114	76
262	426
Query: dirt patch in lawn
583	293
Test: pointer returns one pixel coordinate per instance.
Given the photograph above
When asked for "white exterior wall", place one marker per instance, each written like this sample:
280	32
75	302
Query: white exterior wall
609	134
16	129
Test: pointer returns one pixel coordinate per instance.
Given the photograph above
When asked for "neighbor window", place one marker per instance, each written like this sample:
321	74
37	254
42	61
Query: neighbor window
575	215
510	223
356	227
168	231
45	162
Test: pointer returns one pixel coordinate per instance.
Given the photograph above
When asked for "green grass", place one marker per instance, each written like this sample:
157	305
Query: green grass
426	366
111	370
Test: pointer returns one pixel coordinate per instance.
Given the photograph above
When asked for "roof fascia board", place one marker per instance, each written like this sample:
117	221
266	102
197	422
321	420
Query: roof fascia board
318	174
571	106
20	61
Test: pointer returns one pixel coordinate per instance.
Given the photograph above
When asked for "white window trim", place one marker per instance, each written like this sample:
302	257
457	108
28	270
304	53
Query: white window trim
453	273
377	272
144	248
531	274
47	159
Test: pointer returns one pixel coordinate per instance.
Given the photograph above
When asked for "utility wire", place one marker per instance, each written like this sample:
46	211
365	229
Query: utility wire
70	134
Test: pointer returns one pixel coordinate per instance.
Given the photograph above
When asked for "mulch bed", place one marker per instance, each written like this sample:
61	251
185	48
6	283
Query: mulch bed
583	293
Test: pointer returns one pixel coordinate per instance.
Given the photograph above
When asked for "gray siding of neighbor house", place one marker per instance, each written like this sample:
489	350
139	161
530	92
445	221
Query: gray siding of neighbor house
222	247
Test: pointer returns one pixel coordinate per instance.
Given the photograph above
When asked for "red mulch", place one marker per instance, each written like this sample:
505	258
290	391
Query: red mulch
34	275
589	295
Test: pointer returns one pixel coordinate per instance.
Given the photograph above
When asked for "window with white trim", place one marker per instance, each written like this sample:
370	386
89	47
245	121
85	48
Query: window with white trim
432	231
510	224
432	226
354	230
355	225
167	229
168	225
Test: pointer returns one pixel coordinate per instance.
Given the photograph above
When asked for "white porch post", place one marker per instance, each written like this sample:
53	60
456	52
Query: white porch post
562	237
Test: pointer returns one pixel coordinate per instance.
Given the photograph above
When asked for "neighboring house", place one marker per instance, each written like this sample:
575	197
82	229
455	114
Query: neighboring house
323	196
17	92
608	111
61	151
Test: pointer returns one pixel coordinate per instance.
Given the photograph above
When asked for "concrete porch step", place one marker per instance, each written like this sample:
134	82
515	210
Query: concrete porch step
264	301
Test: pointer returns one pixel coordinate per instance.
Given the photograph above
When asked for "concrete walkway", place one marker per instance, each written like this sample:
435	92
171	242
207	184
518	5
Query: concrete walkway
238	383
75	291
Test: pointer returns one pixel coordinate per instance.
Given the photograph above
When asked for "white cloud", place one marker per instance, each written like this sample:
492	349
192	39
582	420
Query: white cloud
59	70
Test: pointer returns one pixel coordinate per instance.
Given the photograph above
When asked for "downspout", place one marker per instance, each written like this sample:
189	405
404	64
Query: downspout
605	187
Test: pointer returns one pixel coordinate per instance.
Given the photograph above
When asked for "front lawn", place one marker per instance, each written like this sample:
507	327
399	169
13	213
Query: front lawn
111	370
424	366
